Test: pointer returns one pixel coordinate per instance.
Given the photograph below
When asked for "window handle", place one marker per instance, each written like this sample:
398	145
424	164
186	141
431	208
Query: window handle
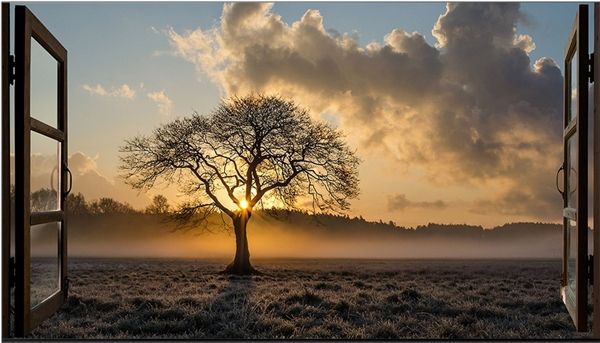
562	192
70	181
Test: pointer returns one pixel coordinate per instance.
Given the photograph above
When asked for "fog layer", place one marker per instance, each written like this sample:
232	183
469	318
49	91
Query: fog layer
298	235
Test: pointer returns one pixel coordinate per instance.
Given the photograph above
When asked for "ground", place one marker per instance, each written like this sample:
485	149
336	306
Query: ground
350	299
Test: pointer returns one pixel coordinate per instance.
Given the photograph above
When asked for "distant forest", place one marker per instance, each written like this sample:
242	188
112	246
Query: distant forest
108	228
45	199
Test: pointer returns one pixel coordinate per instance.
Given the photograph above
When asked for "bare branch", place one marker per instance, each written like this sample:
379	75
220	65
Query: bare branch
256	147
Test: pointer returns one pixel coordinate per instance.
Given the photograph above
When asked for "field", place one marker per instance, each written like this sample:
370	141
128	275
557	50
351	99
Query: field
352	299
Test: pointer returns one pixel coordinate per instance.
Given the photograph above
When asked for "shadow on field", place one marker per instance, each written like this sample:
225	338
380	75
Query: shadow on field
231	309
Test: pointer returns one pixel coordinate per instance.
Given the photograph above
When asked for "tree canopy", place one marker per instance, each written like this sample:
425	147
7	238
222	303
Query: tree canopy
256	148
248	152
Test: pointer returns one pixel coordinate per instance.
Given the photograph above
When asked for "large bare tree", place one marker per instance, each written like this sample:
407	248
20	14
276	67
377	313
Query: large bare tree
248	152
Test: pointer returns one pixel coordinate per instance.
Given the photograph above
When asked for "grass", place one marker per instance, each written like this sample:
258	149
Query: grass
352	299
44	278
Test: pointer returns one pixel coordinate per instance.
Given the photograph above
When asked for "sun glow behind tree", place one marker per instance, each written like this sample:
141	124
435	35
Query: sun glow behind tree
248	149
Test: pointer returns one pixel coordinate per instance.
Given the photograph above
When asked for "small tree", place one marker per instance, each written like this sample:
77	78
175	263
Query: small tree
160	205
110	206
248	151
76	204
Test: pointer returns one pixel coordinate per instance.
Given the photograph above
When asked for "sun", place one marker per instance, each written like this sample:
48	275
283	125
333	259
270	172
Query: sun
244	204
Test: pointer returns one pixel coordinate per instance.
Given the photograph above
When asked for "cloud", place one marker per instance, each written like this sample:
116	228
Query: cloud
162	100
400	202
123	91
471	110
95	90
86	179
80	163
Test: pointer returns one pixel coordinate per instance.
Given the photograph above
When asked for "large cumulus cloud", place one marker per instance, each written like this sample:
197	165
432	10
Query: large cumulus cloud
471	109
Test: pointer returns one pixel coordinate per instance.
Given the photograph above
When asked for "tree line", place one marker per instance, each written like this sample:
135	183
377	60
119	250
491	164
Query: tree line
45	199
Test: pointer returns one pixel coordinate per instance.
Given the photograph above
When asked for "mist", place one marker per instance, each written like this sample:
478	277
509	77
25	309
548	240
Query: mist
297	235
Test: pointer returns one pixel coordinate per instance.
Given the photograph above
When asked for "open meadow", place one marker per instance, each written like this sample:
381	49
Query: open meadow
312	298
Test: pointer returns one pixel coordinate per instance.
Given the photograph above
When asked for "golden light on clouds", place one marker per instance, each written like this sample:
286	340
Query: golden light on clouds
448	111
465	128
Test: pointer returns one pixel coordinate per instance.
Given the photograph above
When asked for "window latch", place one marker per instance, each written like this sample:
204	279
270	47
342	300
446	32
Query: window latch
12	66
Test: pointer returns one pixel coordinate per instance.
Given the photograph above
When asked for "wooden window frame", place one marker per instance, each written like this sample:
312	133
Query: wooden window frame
28	27
578	42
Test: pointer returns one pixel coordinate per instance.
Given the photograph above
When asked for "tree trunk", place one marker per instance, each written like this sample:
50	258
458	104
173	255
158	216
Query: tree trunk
241	263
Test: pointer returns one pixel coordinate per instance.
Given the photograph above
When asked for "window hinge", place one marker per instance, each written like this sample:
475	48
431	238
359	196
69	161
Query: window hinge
591	68
12	66
11	272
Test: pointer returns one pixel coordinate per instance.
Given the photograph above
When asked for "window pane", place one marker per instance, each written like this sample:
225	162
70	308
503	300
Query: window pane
45	173
44	278
44	85
572	257
571	189
572	173
573	87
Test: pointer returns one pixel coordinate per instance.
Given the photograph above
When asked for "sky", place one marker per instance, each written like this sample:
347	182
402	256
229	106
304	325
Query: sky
454	110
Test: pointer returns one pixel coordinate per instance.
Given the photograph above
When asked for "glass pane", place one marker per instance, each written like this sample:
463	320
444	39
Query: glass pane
572	257
44	278
573	87
571	170
44	85
45	173
571	189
